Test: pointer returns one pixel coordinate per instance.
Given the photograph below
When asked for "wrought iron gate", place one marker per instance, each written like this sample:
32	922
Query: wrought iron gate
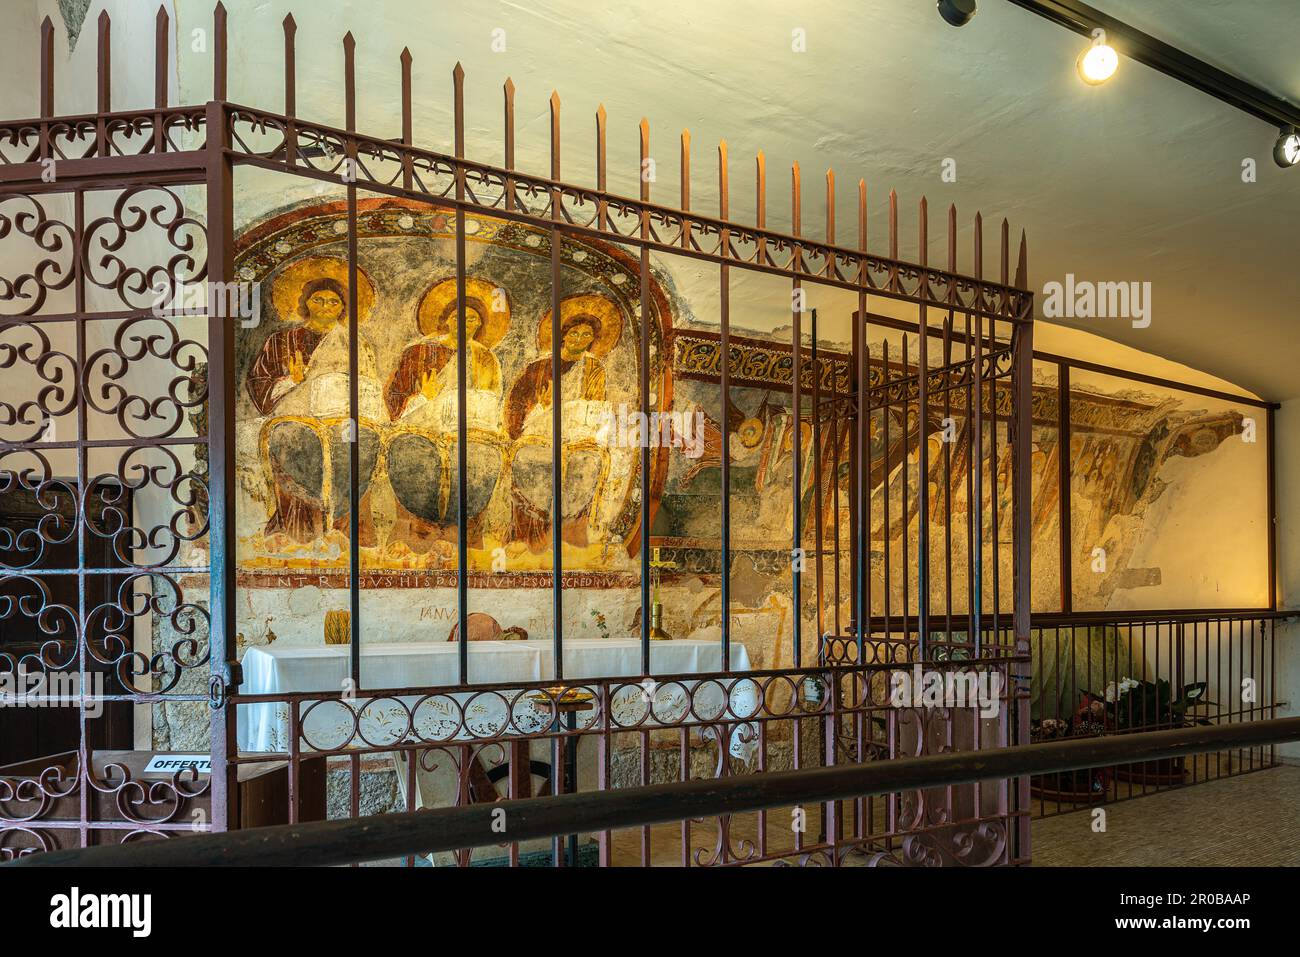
118	400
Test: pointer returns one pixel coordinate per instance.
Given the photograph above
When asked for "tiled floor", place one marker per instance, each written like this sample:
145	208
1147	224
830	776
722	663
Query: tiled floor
1250	820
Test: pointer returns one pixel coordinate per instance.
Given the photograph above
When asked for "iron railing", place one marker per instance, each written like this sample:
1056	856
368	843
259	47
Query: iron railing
387	837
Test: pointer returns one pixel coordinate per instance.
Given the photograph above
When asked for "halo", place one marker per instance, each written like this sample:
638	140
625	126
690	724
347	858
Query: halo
288	285
601	308
440	302
752	420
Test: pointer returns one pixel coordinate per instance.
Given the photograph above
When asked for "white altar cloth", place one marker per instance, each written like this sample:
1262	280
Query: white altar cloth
271	670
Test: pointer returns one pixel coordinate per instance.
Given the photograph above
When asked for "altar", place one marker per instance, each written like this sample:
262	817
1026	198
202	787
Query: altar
363	719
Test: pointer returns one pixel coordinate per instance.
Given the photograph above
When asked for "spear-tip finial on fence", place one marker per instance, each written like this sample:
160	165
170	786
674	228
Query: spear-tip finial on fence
555	135
104	73
161	24
830	207
862	220
508	106
47	67
290	26
724	184
458	108
602	147
923	232
350	81
219	49
408	124
796	199
643	129
686	172
1006	252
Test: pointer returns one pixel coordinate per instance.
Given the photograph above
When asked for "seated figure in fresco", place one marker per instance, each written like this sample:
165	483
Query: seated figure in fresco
421	396
301	374
590	326
427	368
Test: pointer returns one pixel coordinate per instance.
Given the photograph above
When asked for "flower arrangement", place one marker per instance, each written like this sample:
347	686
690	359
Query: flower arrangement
1134	705
1087	722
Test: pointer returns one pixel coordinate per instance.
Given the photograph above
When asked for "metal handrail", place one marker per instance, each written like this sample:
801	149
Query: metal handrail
389	836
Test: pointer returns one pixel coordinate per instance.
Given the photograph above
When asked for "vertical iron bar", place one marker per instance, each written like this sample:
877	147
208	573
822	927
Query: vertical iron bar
221	470
817	477
408	123
290	28
508	93
976	507
84	771
923	445
462	426
1022	520
103	82
219	51
354	402
644	140
557	400
161	25
46	91
602	208
724	290
796	444
1064	465
686	187
862	477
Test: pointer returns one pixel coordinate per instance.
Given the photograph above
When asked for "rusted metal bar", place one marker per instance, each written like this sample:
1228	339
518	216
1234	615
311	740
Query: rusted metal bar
161	26
221	475
46	91
1064	455
724	315
220	52
643	391
354	377
923	445
557	403
462	380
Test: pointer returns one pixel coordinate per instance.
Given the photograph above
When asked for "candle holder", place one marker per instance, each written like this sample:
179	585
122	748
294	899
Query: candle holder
657	632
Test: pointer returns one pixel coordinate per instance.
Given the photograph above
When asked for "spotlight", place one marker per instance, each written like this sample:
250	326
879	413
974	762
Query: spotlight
1287	151
1098	62
957	13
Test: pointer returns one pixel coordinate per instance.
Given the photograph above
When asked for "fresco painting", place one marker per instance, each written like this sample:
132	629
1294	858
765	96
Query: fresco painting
295	436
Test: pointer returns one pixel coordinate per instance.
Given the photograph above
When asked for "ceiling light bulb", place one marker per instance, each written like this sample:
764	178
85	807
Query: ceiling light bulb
1287	151
1098	63
957	13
